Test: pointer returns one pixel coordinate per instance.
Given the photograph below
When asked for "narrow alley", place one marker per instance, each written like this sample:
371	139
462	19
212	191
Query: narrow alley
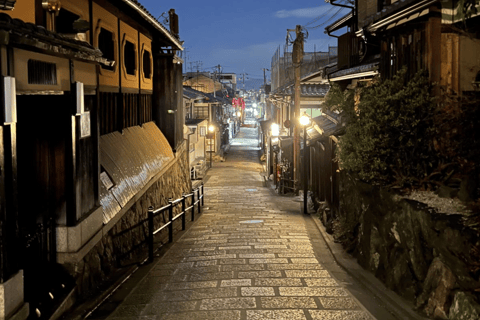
250	255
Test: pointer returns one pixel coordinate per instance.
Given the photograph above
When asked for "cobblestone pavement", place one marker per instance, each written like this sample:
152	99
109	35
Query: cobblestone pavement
249	256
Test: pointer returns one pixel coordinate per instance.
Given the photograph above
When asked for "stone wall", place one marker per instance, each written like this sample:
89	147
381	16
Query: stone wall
430	258
125	243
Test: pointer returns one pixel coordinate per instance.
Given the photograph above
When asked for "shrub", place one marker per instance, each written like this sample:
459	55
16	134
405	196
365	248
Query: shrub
388	138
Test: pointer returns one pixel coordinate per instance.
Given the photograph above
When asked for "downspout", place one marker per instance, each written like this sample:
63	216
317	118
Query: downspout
332	2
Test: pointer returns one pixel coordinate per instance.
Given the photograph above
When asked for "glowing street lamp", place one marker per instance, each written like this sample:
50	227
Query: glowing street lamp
275	129
305	121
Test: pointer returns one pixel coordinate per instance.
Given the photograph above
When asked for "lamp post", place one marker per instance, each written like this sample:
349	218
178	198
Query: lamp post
305	121
211	129
275	132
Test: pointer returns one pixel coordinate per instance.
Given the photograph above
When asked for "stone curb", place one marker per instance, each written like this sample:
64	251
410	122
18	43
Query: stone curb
392	302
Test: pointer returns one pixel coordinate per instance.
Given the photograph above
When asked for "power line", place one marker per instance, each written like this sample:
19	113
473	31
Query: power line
321	16
326	21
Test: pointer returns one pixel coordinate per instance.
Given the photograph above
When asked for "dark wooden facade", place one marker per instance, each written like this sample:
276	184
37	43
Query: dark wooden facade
66	96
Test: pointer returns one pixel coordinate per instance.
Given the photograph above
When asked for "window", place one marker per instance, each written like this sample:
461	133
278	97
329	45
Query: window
147	67
107	46
65	21
41	72
129	57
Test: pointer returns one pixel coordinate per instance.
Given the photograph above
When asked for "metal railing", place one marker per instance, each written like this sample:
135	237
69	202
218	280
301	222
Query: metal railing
152	213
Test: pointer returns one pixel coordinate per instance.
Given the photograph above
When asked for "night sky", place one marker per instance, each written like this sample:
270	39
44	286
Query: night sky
242	36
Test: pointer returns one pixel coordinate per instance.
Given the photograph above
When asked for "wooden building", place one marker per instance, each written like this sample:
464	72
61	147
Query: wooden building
380	37
91	90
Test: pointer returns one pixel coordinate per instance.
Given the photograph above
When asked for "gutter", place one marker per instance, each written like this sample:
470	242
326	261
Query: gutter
154	22
332	2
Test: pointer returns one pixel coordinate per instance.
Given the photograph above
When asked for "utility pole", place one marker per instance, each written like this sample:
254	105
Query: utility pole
297	56
217	67
243	76
265	78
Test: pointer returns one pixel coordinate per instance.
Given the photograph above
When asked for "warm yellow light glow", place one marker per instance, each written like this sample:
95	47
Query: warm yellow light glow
275	129
239	114
211	128
304	120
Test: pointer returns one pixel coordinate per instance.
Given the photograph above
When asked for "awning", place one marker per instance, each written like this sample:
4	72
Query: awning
361	71
328	124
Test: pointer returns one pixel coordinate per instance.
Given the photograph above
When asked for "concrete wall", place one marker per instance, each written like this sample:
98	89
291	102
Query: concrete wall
110	253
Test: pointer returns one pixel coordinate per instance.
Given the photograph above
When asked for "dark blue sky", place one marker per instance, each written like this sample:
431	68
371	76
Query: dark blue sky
242	35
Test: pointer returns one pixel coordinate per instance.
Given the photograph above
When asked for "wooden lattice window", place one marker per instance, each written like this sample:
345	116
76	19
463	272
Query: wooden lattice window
41	72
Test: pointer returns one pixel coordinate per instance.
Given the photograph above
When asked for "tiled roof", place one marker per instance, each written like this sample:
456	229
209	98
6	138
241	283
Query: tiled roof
356	69
192	93
32	31
153	21
29	34
7	4
329	123
310	90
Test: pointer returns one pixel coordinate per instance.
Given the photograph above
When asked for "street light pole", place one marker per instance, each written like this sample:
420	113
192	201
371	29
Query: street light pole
305	182
304	121
211	129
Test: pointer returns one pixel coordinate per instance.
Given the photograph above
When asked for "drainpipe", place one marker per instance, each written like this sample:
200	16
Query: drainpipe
332	2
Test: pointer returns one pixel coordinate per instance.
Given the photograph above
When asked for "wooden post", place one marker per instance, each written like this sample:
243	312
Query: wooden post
150	234
184	213
170	219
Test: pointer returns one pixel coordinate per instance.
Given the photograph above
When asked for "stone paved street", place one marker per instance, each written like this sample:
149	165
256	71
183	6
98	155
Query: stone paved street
249	256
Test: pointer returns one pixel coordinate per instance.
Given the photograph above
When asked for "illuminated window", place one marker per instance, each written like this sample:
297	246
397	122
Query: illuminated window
107	46
129	57
147	67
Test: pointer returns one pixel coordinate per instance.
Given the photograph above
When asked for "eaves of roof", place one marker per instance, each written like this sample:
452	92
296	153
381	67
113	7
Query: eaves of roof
137	6
7	4
328	124
340	23
30	35
395	12
365	70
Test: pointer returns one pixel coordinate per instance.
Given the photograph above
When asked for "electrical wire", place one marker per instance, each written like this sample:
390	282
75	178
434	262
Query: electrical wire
326	21
321	16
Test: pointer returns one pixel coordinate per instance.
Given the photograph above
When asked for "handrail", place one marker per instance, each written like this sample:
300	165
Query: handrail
152	213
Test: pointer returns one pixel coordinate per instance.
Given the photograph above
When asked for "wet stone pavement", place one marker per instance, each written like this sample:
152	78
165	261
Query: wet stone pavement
250	255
